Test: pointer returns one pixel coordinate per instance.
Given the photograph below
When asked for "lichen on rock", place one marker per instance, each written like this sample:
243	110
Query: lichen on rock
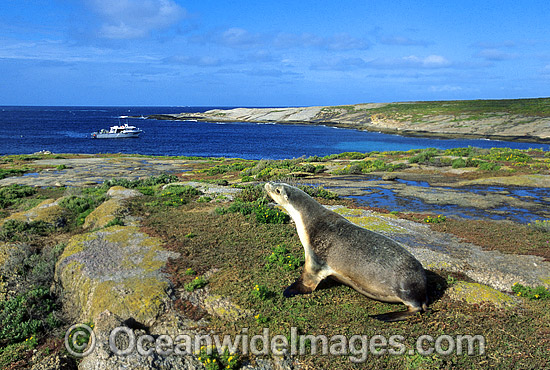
106	212
116	269
475	293
48	211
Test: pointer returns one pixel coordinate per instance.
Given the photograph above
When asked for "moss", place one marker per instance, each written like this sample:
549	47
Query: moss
474	293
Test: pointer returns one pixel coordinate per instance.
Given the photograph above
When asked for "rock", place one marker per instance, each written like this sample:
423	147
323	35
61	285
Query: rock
103	358
474	293
389	177
104	213
48	211
116	269
56	361
119	192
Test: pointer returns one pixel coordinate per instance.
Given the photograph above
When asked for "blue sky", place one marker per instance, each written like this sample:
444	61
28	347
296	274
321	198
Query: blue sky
271	53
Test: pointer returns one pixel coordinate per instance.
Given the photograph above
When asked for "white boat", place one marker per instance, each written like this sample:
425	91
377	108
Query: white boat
117	132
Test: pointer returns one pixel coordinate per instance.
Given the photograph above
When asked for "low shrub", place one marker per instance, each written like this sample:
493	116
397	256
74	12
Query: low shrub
14	230
9	194
424	156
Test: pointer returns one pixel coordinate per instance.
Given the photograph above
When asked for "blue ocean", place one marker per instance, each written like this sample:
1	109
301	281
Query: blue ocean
25	130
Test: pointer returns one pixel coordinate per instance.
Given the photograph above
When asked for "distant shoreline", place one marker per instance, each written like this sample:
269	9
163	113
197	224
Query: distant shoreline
520	120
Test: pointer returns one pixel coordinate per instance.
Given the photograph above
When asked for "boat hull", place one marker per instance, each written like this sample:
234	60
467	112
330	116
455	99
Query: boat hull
120	135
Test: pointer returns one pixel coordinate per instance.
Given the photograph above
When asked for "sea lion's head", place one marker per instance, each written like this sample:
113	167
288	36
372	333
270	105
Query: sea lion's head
279	192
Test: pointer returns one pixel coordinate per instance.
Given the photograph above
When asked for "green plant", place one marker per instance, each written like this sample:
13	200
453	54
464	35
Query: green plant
283	258
190	271
9	194
204	199
261	292
82	338
197	283
424	156
133	184
261	319
24	316
115	222
539	292
435	220
319	192
251	193
268	215
211	358
14	230
541	225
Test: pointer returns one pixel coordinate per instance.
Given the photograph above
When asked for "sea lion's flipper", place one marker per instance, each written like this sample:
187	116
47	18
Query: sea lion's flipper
399	315
304	285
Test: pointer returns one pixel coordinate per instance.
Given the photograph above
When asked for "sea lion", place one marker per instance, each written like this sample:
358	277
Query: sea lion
370	263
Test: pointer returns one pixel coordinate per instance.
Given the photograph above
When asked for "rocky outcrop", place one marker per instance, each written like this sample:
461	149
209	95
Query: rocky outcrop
116	269
109	210
500	123
48	211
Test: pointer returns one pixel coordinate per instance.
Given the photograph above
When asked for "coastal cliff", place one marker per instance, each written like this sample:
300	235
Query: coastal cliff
511	120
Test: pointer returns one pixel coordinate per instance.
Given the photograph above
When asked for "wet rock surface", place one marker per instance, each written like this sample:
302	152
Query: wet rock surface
95	170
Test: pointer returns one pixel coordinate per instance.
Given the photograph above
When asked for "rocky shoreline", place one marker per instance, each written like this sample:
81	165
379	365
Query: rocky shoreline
504	124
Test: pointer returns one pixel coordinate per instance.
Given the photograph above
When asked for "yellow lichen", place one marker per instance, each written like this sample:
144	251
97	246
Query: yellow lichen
48	211
545	281
474	293
370	221
103	214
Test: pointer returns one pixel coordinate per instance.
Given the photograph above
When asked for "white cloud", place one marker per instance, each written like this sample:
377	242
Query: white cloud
402	41
336	42
445	88
131	19
493	54
408	62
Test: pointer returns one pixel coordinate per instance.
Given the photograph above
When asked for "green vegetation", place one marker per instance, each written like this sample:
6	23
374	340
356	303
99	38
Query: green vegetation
424	156
539	292
281	257
474	109
14	230
10	194
12	172
212	360
541	225
435	220
140	183
29	312
80	207
197	283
